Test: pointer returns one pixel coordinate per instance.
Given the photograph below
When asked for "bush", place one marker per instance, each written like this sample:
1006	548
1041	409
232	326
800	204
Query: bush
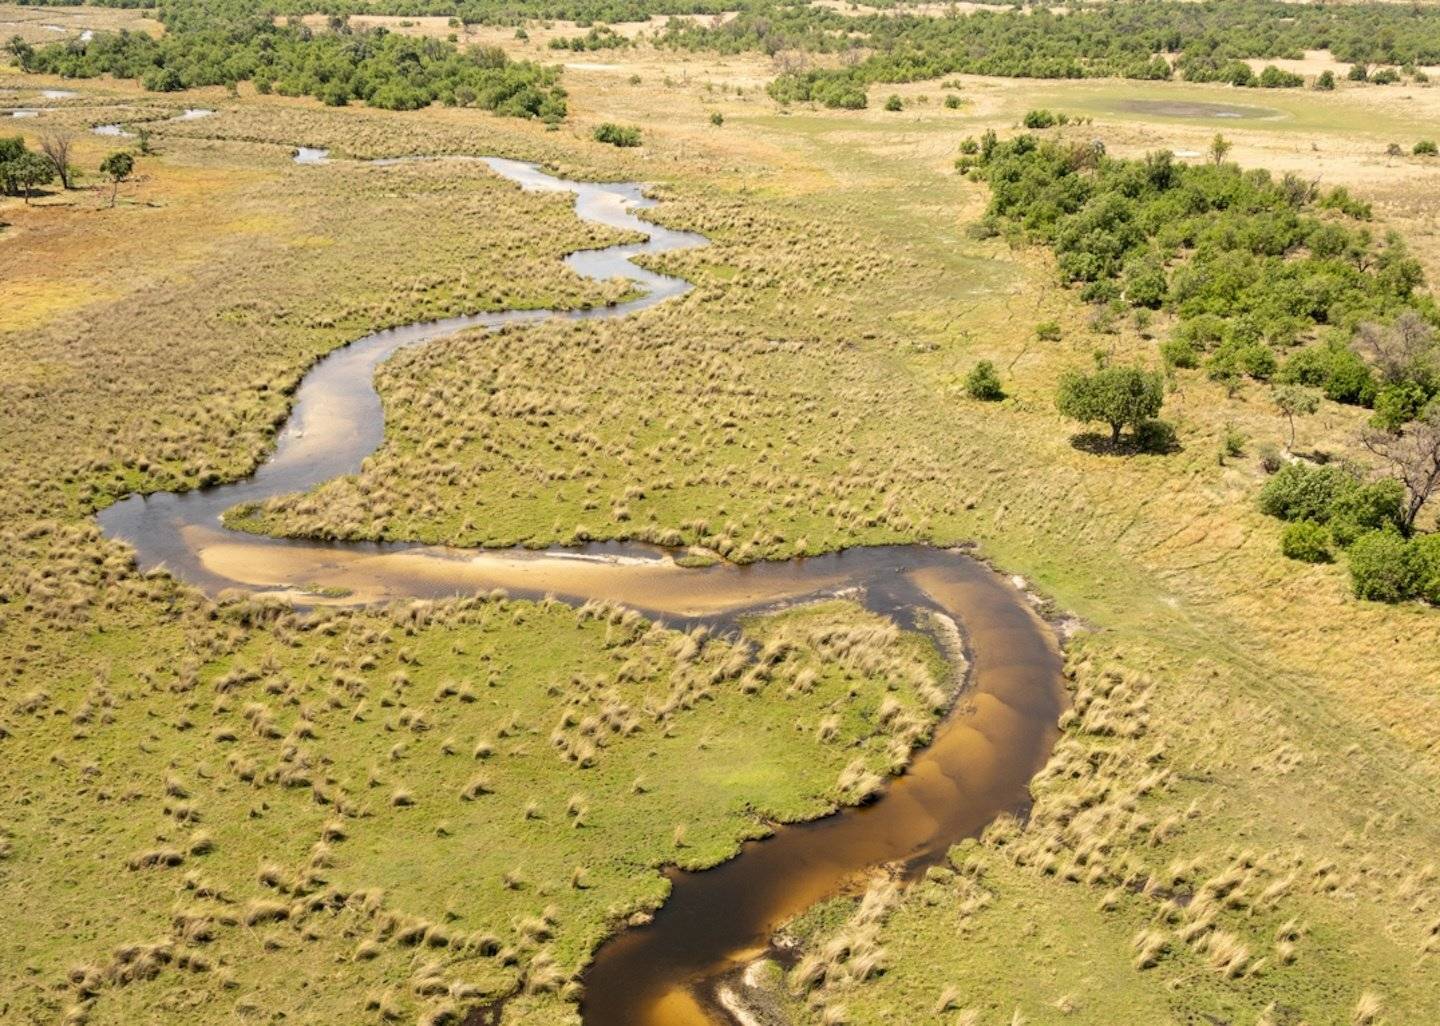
952	102
617	135
1385	567
1299	491
1179	352
984	383
1427	563
1326	81
1048	331
893	103
1364	508
717	119
1042	118
1425	148
1275	78
1306	541
1156	436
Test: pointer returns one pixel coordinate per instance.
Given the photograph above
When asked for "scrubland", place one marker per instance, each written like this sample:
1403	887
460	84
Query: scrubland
1237	825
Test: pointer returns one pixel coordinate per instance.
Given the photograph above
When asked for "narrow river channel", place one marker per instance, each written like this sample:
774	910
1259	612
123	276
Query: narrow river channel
714	922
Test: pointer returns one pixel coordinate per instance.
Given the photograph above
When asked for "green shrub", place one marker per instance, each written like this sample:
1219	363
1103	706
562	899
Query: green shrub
1364	508
1042	118
717	119
1325	81
1427	562
983	383
1276	78
1179	352
1300	491
1425	148
894	103
617	135
1398	404
1385	567
1306	541
1048	331
953	102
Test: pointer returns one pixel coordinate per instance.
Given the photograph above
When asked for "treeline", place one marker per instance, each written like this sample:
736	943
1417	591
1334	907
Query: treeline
1212	39
219	43
1267	277
475	12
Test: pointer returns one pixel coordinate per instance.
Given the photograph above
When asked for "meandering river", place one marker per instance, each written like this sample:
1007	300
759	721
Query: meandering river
714	922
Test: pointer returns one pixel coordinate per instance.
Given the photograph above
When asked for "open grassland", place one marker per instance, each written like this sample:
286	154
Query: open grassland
1239	822
397	811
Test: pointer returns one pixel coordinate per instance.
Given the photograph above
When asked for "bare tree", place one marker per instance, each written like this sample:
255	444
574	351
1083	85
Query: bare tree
56	144
1406	350
1413	453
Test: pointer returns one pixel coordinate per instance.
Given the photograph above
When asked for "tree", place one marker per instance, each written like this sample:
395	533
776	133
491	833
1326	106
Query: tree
984	383
117	168
56	145
1219	149
1413	453
1118	396
1294	401
1326	81
28	171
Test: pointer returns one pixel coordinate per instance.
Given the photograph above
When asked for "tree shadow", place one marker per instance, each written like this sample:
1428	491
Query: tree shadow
1155	438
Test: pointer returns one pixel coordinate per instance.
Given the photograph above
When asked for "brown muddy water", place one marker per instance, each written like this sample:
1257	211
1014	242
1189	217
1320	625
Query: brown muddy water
716	921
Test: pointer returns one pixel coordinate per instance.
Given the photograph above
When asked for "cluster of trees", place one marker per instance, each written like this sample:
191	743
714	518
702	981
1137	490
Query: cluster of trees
1267	277
837	88
231	41
1212	39
1330	509
471	12
601	37
22	170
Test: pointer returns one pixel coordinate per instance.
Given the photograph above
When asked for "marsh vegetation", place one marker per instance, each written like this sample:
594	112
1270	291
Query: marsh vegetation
413	810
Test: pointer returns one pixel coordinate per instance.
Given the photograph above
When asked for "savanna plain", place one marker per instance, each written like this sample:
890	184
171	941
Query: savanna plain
1129	301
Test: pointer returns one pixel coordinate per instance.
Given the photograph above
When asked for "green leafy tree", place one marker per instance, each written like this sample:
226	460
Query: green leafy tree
1118	396
117	167
30	171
